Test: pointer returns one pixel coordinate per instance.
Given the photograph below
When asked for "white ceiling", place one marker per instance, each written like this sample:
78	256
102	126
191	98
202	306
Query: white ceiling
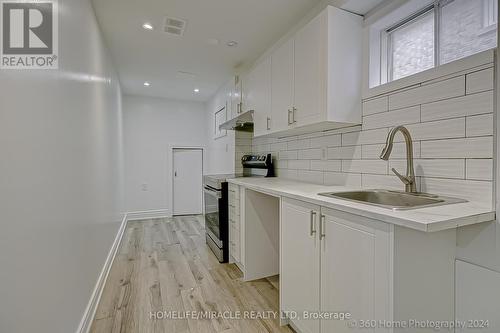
157	57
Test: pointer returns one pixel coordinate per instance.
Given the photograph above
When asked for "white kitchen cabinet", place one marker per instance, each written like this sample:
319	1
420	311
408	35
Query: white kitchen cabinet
282	86
235	223
236	97
300	261
336	262
355	269
259	96
310	52
316	76
333	264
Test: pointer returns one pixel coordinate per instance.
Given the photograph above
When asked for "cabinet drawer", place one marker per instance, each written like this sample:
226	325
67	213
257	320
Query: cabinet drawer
235	240
234	243
234	222
234	191
234	212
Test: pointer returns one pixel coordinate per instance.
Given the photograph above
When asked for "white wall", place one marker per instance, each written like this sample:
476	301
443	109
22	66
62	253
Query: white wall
60	179
151	127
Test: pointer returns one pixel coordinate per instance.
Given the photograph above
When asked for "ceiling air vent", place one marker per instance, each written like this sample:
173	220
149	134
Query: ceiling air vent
174	26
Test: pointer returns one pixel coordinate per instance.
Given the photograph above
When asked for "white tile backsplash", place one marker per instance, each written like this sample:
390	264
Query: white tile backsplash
441	168
343	179
392	118
398	151
377	105
344	153
441	129
481	147
452	141
315	177
310	154
480	169
334	140
365	166
458	107
479	125
475	191
299	144
299	164
390	182
480	81
332	165
454	87
364	137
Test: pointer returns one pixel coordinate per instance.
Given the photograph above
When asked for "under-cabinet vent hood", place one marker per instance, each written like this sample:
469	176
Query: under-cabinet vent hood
242	122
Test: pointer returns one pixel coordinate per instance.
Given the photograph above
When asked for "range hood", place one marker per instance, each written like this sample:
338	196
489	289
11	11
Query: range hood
242	122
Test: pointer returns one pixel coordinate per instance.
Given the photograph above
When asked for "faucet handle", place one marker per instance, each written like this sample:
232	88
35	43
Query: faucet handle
404	179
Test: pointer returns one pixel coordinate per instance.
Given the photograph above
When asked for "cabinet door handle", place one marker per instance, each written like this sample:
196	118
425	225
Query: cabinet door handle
313	223
268	126
290	116
322	227
293	115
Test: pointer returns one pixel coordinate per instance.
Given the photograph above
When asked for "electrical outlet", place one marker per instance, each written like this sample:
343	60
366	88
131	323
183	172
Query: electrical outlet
144	187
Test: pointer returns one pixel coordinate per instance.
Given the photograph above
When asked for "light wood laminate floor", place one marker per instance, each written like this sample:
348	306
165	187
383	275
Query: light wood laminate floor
165	265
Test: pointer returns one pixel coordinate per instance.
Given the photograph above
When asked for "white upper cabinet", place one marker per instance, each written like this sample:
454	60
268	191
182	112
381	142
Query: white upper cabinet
316	77
282	86
310	54
236	97
259	96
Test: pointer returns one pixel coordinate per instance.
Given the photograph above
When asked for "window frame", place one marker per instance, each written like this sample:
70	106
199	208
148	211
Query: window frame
490	22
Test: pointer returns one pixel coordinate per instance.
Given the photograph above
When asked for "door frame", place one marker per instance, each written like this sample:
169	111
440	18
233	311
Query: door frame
171	149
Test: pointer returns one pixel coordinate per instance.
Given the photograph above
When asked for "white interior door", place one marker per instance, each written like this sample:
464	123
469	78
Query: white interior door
187	189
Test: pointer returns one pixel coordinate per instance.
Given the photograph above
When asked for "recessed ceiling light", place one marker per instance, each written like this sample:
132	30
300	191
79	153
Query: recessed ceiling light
232	43
148	26
196	90
147	84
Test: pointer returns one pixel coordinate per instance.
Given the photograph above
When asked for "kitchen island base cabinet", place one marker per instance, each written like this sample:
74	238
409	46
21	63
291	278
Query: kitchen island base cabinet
336	263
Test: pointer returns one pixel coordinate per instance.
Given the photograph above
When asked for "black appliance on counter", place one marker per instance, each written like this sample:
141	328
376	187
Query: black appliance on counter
215	189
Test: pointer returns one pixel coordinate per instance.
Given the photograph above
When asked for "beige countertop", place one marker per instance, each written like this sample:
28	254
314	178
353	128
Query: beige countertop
424	219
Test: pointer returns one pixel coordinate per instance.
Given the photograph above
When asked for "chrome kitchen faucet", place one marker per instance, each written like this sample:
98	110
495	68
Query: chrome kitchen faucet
409	179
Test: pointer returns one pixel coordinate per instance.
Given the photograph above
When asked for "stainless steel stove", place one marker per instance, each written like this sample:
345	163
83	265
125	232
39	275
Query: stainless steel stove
215	190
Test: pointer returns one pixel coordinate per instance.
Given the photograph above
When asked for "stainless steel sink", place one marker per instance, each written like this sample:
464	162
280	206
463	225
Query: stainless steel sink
394	200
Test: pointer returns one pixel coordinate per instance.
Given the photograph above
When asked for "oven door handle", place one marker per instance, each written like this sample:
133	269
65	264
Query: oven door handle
213	192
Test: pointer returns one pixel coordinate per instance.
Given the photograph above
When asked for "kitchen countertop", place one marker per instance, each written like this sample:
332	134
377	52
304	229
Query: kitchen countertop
428	219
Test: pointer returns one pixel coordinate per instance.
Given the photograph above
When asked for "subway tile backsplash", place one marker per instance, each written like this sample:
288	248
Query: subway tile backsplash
451	122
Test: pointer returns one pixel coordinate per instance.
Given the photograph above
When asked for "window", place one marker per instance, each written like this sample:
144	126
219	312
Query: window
440	32
412	46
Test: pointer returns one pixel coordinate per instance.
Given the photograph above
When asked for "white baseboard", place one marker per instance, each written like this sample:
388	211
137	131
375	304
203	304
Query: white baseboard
148	214
91	309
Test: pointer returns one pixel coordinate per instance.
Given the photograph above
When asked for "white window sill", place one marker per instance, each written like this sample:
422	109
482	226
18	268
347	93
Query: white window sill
487	30
464	64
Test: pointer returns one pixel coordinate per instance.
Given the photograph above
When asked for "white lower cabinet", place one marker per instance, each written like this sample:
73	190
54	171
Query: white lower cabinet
355	270
235	244
333	263
300	262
